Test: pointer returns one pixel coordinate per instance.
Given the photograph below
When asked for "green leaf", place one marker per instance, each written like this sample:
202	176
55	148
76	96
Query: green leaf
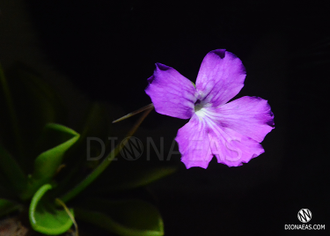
27	103
121	178
45	217
48	162
124	217
12	171
9	124
94	124
7	206
6	190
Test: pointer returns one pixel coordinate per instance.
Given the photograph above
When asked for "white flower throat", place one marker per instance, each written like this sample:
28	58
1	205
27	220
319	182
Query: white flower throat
200	108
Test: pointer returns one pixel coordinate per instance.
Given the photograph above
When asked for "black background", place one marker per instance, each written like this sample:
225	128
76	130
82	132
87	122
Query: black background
108	50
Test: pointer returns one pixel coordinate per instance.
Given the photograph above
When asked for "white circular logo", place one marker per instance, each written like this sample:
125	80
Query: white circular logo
304	215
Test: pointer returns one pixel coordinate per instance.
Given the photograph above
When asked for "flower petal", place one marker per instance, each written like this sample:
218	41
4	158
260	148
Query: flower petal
249	116
171	93
194	143
232	148
221	76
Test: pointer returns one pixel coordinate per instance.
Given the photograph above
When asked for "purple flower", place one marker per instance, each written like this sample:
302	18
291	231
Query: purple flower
230	131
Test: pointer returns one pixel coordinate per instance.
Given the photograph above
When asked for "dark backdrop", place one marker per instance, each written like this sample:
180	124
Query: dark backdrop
108	50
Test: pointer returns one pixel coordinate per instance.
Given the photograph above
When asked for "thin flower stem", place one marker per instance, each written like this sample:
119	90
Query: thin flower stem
100	168
57	200
151	105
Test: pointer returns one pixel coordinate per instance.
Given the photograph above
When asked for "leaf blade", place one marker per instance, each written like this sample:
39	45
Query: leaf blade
125	217
44	217
12	171
47	163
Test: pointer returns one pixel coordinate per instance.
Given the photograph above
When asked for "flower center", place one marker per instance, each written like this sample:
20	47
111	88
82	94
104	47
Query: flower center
198	105
201	108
